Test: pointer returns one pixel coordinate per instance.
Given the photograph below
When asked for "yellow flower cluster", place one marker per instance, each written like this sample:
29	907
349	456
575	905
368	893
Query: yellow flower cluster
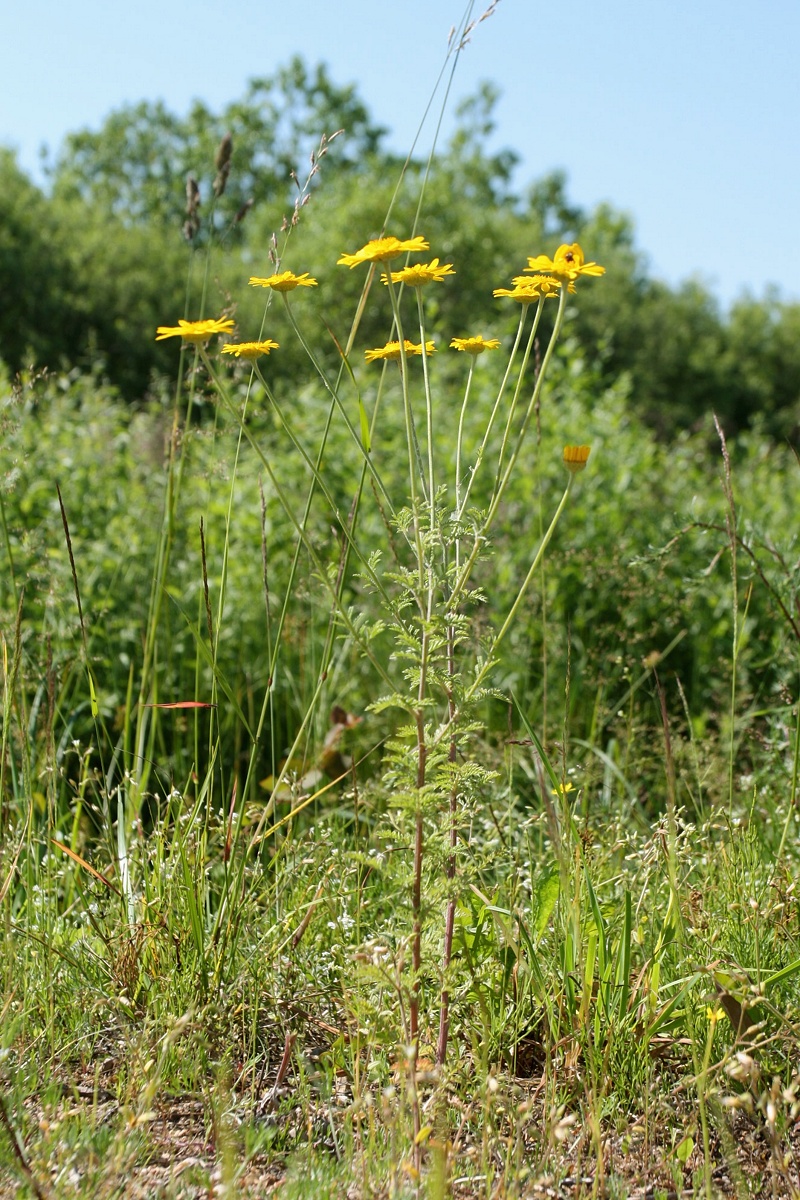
548	275
545	278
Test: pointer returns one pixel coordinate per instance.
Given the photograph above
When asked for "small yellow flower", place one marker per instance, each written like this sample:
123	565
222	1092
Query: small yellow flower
546	284
526	288
250	350
568	261
474	345
382	250
286	281
576	458
195	332
422	273
391	351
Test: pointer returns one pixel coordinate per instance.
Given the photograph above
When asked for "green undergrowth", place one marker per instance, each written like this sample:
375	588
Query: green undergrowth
625	927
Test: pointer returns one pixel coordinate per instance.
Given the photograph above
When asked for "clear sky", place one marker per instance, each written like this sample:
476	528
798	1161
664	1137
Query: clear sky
684	113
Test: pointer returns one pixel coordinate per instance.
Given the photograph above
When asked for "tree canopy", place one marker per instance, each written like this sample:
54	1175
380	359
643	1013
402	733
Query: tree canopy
91	264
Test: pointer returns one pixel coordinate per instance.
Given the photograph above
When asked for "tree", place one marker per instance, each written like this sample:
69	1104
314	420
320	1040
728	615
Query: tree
136	166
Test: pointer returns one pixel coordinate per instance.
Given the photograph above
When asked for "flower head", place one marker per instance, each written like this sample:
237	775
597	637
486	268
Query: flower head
545	285
528	288
576	458
249	350
392	352
195	332
568	261
421	273
383	250
286	281
474	345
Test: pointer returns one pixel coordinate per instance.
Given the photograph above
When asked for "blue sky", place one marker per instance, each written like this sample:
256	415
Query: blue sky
683	113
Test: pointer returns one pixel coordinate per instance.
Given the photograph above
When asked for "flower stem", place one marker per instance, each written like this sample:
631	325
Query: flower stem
428	409
490	423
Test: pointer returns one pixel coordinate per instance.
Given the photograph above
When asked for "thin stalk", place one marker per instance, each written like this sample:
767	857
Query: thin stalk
450	870
428	408
730	524
333	392
445	729
502	483
793	792
460	438
313	467
414	462
512	412
267	703
344	615
490	423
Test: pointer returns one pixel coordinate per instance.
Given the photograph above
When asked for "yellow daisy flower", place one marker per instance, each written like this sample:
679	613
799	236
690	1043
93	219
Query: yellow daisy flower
528	288
568	261
195	332
286	281
391	351
382	250
474	345
546	285
250	350
422	273
576	458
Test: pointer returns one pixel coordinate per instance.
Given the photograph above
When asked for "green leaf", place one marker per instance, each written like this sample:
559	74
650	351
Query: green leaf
92	694
544	901
362	413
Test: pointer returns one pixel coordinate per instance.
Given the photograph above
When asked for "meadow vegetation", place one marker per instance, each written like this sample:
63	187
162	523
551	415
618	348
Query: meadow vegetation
385	809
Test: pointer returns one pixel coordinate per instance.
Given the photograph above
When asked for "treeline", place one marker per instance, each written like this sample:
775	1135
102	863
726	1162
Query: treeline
119	240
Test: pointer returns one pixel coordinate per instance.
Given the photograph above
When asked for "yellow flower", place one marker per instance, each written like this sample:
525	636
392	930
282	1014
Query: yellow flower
421	273
474	345
391	351
382	250
568	261
250	350
545	284
527	288
576	458
287	281
196	332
